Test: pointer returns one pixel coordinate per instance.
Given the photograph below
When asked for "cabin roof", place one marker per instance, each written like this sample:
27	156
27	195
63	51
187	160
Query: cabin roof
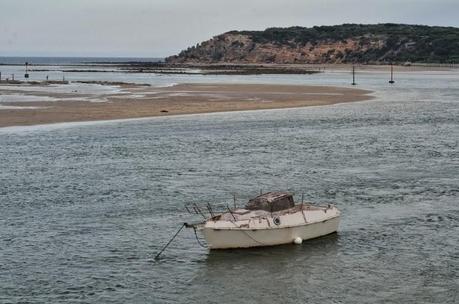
272	196
271	201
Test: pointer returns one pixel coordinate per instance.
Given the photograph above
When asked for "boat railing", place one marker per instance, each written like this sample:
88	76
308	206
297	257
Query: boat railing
209	212
206	210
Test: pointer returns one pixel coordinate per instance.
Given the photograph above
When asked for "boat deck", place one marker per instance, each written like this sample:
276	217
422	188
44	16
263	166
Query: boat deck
244	214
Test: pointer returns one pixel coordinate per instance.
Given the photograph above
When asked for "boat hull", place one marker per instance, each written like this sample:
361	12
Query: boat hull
245	238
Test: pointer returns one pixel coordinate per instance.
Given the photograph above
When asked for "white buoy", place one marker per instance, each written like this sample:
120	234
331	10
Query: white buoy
298	240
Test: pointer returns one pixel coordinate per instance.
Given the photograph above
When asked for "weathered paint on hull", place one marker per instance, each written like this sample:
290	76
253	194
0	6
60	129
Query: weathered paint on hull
238	238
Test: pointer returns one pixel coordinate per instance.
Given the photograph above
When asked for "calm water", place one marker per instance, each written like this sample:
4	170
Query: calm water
85	207
71	60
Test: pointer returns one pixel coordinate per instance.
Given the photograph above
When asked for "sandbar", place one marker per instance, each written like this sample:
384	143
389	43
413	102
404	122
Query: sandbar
137	101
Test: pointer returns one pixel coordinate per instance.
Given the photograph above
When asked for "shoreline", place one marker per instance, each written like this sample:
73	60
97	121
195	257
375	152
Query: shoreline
136	102
229	68
69	124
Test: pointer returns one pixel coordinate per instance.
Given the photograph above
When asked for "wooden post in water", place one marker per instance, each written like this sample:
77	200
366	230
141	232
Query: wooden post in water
26	75
391	81
353	75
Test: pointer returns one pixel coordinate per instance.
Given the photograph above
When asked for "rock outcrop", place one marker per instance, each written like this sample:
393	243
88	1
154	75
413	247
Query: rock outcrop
348	43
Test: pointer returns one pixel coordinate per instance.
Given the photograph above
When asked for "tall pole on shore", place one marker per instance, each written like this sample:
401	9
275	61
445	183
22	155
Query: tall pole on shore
353	75
391	81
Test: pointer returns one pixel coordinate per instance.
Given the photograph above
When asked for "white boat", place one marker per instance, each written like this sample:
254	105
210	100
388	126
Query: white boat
267	220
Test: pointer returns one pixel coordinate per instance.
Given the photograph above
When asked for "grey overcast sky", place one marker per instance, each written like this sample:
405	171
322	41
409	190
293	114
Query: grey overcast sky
157	28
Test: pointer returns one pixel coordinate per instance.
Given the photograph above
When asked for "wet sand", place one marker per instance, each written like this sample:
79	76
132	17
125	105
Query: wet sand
136	101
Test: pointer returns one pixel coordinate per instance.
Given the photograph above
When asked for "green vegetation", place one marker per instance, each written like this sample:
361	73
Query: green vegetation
414	43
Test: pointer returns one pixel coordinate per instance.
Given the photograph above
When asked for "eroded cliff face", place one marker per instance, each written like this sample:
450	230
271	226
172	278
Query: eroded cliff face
348	43
239	48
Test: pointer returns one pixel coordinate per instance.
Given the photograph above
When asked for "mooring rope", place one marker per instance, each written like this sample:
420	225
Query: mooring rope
170	241
247	233
197	238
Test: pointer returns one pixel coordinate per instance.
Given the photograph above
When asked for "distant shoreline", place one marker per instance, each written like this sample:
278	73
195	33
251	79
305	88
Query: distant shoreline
211	69
136	101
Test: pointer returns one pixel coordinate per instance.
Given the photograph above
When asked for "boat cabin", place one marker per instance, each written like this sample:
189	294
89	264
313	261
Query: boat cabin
271	202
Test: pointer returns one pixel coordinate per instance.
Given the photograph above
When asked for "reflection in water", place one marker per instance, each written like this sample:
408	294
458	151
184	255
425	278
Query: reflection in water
257	274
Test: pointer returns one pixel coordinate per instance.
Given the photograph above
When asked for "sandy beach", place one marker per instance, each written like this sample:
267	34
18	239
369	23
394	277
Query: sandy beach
55	104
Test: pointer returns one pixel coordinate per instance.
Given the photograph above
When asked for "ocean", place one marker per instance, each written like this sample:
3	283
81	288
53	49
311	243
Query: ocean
85	207
72	60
